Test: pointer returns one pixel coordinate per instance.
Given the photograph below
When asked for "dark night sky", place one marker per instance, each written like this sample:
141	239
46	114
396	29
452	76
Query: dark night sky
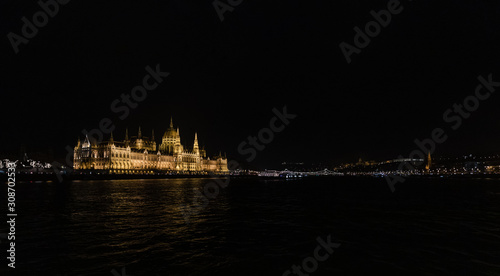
226	77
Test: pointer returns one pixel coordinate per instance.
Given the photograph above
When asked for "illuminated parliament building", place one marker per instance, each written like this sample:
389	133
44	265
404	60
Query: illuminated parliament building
140	154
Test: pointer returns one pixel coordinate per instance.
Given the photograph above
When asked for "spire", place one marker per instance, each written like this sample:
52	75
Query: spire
153	135
171	122
78	142
139	135
126	134
111	137
177	131
195	146
429	162
86	143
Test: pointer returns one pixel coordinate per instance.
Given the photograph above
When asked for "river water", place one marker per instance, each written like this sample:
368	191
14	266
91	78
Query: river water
258	227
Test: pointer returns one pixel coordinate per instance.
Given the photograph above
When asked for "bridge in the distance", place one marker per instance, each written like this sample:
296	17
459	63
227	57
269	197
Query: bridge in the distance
293	174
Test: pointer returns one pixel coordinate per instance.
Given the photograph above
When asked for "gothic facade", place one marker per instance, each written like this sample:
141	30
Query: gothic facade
140	154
